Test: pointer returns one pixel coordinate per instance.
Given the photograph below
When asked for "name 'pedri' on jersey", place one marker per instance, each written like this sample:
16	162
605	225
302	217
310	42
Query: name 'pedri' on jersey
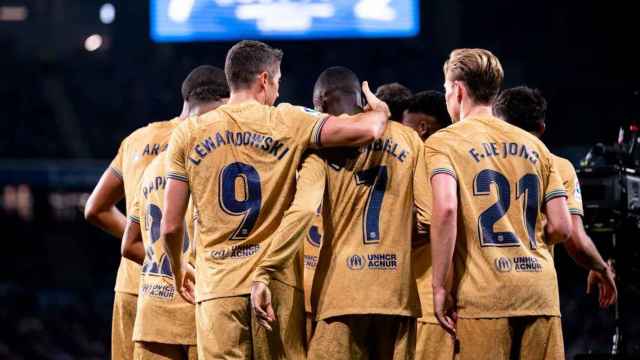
135	153
240	162
162	316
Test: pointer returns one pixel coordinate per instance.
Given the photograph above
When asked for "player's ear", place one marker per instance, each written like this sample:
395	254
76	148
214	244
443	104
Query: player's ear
542	126
423	128
263	79
460	91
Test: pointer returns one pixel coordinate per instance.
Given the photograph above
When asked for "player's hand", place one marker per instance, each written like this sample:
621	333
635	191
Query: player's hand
261	304
605	280
444	310
373	103
188	285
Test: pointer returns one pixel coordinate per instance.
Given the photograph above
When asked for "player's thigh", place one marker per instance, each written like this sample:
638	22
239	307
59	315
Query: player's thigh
123	319
542	339
481	339
392	337
223	328
157	351
341	337
287	340
433	343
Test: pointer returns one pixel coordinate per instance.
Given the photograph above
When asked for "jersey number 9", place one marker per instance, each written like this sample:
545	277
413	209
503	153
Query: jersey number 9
249	206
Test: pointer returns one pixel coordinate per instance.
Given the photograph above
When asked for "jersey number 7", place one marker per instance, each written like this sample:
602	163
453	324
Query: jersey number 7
377	178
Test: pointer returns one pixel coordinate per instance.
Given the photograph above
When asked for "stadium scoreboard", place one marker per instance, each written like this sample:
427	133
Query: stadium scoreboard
210	20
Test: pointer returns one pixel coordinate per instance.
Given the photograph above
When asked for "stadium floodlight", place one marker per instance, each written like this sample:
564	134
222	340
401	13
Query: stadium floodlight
13	13
180	10
93	42
107	13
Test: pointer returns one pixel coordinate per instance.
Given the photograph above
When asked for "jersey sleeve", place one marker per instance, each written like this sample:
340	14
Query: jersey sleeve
572	185
135	212
288	238
307	122
421	190
177	153
438	161
553	186
116	164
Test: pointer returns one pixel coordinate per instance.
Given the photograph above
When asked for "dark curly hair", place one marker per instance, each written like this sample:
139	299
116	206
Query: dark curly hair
397	96
521	106
204	84
430	103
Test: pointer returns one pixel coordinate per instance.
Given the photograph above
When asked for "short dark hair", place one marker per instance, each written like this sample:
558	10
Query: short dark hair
205	83
247	59
521	106
397	96
336	80
430	103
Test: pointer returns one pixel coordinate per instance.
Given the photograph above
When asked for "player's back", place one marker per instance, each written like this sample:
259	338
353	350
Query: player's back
504	174
159	302
240	162
365	259
136	152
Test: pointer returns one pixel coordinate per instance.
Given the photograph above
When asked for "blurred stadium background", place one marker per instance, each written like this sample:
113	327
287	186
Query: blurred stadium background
77	76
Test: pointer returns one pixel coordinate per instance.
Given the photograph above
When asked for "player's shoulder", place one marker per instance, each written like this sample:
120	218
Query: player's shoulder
564	166
402	132
143	133
443	136
290	111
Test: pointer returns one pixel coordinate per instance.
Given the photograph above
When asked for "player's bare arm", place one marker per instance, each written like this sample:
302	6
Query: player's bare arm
289	236
558	227
443	242
101	209
176	200
359	129
132	246
584	252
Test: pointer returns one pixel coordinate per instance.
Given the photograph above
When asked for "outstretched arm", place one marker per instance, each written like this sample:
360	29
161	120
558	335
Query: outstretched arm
176	199
584	252
359	129
132	245
100	209
288	238
443	242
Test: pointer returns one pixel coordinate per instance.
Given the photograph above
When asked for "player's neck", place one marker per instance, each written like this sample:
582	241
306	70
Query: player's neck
243	96
476	111
340	108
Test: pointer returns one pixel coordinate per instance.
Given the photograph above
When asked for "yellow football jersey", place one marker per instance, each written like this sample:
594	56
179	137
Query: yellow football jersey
311	251
162	316
135	153
570	181
367	212
240	162
502	266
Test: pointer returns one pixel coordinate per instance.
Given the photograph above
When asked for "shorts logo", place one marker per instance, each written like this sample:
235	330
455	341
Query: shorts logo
503	264
355	262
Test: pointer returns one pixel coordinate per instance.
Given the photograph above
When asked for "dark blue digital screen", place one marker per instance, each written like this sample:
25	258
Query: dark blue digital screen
206	20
